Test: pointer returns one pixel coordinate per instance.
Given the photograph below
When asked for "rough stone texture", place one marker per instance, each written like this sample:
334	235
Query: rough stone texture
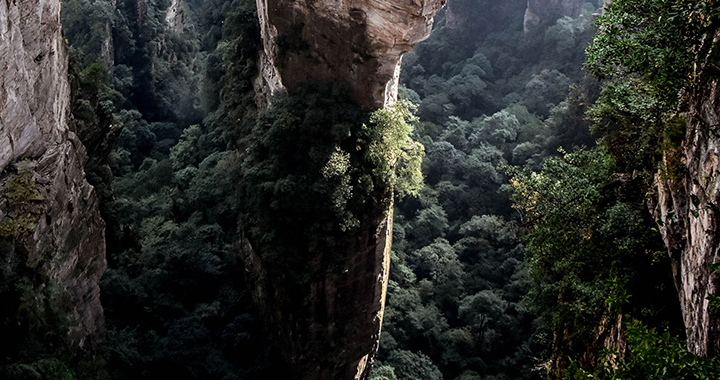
175	16
328	329
33	79
356	42
693	241
67	243
609	335
541	13
107	50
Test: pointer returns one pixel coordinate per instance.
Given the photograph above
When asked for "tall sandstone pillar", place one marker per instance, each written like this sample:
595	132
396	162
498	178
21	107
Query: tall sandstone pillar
330	329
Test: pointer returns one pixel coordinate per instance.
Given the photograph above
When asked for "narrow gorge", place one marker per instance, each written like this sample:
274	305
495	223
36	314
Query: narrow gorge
365	190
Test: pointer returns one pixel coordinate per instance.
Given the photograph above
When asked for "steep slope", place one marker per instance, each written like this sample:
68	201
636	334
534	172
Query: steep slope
327	307
50	227
687	210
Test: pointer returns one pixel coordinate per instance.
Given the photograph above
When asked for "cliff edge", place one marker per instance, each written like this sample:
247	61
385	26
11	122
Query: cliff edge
686	208
356	42
50	226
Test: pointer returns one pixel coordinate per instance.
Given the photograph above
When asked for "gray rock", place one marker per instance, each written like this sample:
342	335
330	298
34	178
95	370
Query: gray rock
67	242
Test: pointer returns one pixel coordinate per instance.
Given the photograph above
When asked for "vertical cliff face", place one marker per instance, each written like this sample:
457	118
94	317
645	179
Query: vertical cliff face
328	323
687	210
49	219
540	13
328	328
358	42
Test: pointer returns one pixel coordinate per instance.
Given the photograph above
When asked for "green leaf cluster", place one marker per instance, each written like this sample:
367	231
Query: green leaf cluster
651	39
589	243
649	53
654	355
315	167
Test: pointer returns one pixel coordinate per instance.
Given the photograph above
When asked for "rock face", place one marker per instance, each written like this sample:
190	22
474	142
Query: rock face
175	17
688	210
328	329
541	13
47	208
356	42
328	326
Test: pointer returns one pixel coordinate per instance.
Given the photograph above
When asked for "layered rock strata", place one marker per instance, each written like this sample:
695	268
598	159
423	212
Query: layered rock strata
329	327
47	208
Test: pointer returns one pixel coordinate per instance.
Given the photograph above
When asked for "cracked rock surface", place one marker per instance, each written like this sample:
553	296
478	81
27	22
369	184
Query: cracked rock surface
62	240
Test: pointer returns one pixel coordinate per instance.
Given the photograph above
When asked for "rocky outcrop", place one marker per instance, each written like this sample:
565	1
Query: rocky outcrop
687	210
175	17
328	319
359	43
542	13
48	211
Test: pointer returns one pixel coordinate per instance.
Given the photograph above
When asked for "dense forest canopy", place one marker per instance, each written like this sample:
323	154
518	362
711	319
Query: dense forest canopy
521	235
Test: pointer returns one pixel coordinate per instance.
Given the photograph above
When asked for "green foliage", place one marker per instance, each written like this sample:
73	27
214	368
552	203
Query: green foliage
653	355
37	317
22	189
17	197
383	373
94	78
488	95
43	369
651	38
87	24
647	51
628	116
411	366
587	239
618	295
655	40
174	299
315	166
396	156
14	227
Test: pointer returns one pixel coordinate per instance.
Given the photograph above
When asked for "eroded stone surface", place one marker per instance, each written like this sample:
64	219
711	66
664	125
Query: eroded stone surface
356	42
328	329
67	243
175	16
688	210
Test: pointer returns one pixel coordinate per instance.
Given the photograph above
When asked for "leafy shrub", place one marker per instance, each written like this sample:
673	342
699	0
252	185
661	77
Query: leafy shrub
653	355
316	166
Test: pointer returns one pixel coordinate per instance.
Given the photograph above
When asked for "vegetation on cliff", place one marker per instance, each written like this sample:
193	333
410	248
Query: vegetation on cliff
647	53
511	255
